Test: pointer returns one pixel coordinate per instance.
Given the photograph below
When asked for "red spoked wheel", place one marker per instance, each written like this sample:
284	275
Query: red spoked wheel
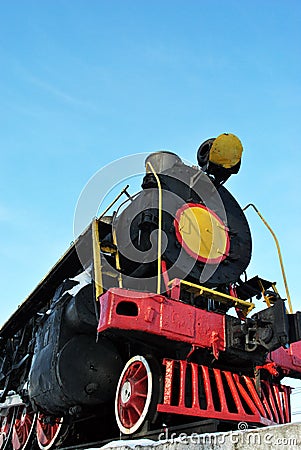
133	395
6	426
23	426
50	430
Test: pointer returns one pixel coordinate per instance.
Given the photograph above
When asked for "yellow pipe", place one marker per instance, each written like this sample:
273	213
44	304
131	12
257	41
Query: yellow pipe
279	255
160	226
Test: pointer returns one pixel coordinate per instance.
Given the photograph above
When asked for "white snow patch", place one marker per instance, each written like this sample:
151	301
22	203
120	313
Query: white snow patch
129	443
83	279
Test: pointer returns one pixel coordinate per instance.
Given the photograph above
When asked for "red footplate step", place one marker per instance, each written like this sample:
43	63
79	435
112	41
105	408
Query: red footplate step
196	390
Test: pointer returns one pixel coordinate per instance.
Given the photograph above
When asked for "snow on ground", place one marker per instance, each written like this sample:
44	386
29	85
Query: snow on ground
130	443
277	437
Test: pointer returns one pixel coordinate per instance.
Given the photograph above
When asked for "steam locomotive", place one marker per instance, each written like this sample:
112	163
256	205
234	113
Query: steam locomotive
147	320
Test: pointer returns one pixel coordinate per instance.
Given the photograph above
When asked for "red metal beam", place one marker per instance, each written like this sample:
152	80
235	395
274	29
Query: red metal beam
162	316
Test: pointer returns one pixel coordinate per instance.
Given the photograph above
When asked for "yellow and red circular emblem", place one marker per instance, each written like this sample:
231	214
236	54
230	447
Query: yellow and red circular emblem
202	233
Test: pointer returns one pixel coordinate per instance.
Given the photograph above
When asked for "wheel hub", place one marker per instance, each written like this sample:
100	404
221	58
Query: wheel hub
126	392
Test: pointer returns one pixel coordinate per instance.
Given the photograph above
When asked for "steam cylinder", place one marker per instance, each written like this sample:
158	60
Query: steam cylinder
77	371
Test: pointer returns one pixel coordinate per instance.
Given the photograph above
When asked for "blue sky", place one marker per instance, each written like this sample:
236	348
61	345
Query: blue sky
85	83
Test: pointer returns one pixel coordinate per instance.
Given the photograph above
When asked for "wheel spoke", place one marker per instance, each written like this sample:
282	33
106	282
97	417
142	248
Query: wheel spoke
131	418
136	408
139	394
136	369
141	380
123	413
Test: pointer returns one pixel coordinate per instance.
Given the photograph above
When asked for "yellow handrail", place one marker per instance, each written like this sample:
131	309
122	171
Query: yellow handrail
114	237
124	191
279	255
97	260
219	296
160	226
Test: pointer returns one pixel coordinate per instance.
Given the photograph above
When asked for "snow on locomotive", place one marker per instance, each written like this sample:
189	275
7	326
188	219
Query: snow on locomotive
131	328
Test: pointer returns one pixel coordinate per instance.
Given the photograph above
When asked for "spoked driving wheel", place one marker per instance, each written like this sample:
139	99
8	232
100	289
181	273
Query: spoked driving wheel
6	426
134	395
50	431
23	426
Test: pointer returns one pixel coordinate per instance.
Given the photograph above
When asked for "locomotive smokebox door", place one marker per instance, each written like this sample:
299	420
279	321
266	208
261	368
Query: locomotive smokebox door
205	235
